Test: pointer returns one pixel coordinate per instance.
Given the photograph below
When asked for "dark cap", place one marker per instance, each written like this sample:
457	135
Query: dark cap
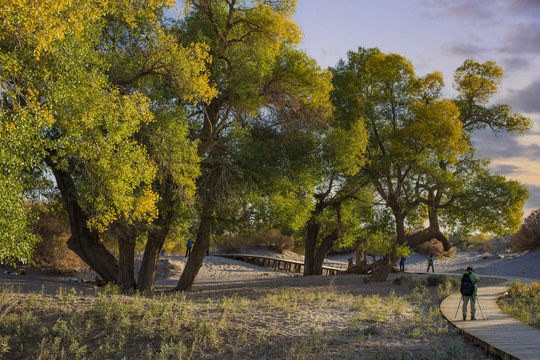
470	268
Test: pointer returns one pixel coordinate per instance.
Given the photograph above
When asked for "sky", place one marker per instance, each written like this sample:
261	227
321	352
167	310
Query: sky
438	35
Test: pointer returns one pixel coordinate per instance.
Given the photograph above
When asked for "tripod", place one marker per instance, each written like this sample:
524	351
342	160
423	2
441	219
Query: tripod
477	301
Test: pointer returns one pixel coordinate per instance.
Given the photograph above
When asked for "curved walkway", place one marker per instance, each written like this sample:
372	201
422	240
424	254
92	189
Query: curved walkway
499	334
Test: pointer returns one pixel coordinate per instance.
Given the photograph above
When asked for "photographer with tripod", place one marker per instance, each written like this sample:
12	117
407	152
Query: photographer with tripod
469	291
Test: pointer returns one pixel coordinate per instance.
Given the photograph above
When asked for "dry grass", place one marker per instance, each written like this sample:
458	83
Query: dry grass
276	318
523	302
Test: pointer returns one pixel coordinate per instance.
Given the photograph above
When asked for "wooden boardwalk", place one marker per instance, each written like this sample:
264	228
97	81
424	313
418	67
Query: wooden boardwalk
499	334
279	264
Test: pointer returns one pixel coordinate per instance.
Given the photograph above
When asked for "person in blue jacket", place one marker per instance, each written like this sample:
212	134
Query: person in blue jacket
189	246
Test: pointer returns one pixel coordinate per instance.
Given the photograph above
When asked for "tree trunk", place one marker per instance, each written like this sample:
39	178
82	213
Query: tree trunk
150	262
83	241
196	258
311	243
383	268
318	260
432	232
126	277
156	238
89	248
314	257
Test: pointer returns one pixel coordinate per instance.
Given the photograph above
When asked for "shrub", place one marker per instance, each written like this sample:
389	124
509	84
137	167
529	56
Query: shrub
51	252
480	243
439	279
402	280
528	236
522	302
432	246
271	239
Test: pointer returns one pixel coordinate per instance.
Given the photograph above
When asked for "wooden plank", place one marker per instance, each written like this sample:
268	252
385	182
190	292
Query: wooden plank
279	263
497	332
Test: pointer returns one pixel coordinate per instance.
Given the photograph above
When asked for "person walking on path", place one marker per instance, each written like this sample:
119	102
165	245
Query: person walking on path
430	261
469	291
402	264
189	246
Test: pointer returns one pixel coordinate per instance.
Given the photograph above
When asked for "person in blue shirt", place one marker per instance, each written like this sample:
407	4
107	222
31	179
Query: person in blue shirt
189	246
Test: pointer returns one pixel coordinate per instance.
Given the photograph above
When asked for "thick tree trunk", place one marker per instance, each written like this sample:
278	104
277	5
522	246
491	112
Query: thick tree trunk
88	247
83	241
126	277
383	268
196	258
311	243
432	232
317	261
314	257
150	262
156	238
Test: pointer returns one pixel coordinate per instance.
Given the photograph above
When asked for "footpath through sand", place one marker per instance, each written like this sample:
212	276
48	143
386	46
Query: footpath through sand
498	333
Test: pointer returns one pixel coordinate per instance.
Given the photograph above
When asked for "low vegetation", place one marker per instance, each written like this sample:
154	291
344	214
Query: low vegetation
400	322
523	302
528	236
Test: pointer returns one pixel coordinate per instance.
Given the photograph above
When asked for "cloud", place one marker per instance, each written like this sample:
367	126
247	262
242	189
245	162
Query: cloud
526	99
504	146
485	10
523	7
463	9
506	169
515	22
516	63
495	146
466	50
523	38
534	198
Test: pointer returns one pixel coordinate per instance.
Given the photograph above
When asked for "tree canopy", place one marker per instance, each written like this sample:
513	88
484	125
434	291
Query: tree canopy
421	159
219	120
78	125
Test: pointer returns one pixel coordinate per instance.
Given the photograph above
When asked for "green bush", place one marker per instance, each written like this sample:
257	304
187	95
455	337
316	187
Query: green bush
523	303
402	280
528	236
440	279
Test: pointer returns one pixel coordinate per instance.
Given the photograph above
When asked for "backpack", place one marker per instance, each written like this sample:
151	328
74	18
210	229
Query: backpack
467	286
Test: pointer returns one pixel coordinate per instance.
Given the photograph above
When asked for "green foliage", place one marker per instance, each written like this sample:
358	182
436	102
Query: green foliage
528	236
420	158
489	203
522	302
440	279
480	243
477	83
404	280
59	107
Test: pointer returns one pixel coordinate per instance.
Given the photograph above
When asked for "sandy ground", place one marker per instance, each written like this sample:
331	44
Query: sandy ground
524	265
217	271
